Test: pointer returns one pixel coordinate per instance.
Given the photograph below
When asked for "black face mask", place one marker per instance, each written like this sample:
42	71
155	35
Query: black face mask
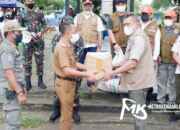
1	19
18	38
144	17
30	6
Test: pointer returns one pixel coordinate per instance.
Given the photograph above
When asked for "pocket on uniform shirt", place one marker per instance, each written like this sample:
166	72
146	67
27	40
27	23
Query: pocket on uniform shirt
94	27
116	28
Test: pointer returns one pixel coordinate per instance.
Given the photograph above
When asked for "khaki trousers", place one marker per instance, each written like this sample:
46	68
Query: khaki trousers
65	91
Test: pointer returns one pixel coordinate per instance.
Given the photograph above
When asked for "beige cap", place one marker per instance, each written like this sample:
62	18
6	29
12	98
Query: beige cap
12	25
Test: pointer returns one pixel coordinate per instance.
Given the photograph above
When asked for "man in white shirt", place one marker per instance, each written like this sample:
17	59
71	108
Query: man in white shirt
89	26
154	34
176	57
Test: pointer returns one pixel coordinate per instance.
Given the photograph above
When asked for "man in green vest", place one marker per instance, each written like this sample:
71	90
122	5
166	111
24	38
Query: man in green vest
166	69
115	26
152	30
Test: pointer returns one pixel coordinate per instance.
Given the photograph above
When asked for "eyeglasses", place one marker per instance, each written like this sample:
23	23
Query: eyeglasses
126	24
167	17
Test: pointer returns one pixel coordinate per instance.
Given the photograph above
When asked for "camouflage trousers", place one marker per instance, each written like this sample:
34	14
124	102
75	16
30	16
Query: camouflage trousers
35	48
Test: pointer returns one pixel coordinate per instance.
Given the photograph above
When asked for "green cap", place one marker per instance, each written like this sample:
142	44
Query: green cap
68	19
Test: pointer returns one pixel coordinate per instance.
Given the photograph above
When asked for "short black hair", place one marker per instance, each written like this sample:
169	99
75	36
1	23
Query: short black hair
5	34
64	27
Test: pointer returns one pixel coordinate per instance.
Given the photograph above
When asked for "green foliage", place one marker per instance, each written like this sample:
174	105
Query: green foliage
49	5
157	4
136	6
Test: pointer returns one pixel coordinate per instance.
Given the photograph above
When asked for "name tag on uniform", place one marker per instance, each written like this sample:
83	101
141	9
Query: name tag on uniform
10	58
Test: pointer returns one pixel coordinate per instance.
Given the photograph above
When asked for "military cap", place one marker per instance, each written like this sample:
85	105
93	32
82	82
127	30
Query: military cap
12	25
68	19
121	1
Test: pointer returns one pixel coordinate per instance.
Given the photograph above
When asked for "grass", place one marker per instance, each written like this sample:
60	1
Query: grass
32	122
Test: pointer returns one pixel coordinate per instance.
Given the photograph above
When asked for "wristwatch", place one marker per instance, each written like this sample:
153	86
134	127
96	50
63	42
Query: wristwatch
99	46
114	44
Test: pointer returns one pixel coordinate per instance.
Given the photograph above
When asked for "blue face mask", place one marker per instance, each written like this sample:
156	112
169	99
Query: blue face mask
18	38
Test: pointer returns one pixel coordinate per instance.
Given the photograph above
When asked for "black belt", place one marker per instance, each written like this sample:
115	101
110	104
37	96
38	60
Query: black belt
65	78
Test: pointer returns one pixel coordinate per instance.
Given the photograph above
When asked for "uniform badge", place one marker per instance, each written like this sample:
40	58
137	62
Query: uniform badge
10	58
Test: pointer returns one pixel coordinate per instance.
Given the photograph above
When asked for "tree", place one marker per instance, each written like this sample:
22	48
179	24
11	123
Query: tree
158	4
48	4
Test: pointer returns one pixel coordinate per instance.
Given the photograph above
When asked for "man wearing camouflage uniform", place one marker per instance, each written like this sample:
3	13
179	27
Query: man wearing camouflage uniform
78	50
35	23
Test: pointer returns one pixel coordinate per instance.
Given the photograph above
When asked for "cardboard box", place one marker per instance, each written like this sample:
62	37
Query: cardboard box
98	61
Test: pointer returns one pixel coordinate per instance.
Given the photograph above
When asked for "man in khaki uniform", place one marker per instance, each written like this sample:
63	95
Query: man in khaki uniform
90	27
166	68
115	26
137	76
152	30
65	67
12	75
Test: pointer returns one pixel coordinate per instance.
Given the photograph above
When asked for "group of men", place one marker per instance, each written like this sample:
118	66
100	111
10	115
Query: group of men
16	65
150	58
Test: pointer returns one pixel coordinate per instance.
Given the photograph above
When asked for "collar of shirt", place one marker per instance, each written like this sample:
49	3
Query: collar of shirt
144	25
171	27
135	33
87	16
6	41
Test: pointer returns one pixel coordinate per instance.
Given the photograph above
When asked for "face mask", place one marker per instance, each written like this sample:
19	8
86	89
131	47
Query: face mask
30	6
121	8
18	37
128	30
87	12
168	22
74	38
1	19
144	17
1	14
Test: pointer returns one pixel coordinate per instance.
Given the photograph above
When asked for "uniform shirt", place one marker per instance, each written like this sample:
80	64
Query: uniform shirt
109	25
34	21
10	58
63	57
176	48
157	41
78	47
142	76
100	27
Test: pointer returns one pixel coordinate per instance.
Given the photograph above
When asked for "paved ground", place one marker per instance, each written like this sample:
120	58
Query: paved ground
90	121
102	121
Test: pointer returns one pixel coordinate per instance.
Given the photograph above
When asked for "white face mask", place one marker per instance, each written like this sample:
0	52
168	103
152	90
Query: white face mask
1	13
128	30
75	37
121	8
87	12
168	22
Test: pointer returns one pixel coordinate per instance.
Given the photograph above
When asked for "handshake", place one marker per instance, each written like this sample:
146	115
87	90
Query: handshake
101	75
